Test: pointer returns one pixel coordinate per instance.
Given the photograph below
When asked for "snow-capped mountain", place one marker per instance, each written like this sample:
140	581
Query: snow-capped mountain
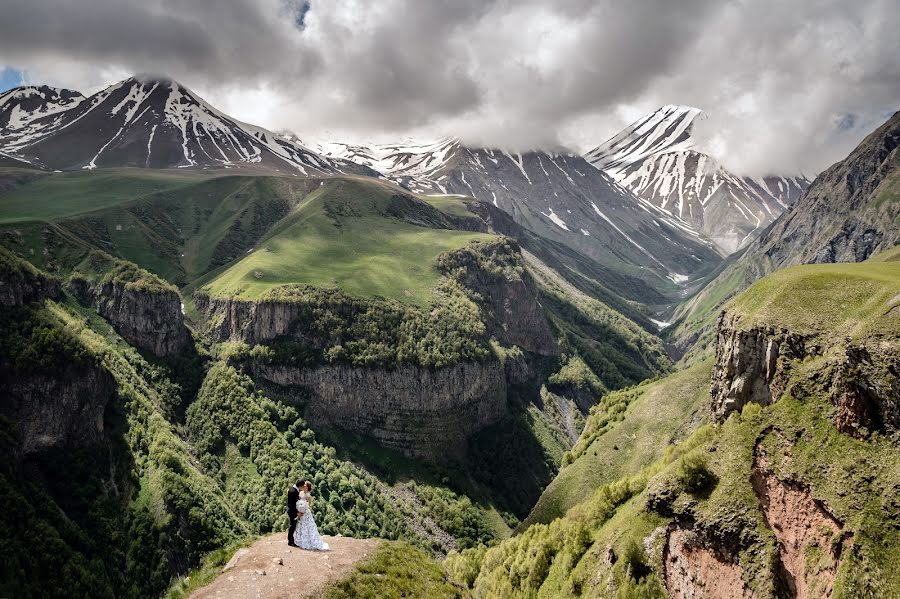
655	158
560	196
21	106
144	122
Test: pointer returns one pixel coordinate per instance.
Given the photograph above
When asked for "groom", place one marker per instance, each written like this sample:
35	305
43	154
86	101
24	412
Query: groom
293	495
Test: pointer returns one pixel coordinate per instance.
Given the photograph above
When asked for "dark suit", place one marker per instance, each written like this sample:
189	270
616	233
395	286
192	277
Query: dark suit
293	495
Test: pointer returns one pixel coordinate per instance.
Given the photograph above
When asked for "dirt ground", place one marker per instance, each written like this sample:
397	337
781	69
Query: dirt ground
255	571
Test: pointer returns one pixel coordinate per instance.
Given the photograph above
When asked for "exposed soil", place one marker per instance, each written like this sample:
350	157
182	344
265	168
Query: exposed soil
810	539
255	571
693	570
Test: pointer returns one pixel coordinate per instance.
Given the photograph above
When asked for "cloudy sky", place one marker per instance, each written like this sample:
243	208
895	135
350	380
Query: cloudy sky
785	85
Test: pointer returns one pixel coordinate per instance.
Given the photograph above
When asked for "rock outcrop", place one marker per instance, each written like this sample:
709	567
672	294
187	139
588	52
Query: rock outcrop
149	319
694	568
506	293
21	283
421	412
751	364
861	378
63	409
375	384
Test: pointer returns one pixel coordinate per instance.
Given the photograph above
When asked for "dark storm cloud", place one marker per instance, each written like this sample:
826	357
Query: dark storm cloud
785	85
200	40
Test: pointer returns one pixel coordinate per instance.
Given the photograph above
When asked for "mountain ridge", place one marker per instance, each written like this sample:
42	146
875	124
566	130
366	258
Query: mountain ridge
655	157
151	122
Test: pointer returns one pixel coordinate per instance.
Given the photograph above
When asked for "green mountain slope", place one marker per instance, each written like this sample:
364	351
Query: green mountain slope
780	499
364	238
627	431
398	288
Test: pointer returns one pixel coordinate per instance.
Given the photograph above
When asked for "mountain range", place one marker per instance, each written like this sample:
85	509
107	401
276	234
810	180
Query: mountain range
157	123
557	195
143	122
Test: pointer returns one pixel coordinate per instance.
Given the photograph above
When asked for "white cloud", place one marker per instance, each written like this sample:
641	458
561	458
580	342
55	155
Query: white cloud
785	86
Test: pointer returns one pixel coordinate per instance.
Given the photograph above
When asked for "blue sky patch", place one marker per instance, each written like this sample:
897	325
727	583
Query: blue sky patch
10	78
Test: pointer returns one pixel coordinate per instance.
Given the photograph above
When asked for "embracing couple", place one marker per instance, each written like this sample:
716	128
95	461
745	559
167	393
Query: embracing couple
302	532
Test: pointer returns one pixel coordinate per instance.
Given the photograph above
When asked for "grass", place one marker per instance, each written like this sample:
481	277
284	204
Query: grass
450	204
185	226
344	235
199	577
395	570
844	300
616	443
891	255
63	195
176	225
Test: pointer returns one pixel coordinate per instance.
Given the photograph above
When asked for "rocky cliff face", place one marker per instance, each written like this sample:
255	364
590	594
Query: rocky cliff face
390	390
421	412
754	365
150	320
751	364
21	283
65	409
505	291
418	409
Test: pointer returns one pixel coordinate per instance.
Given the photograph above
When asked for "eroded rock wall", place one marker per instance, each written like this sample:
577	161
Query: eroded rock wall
861	377
421	412
150	320
693	568
59	409
751	364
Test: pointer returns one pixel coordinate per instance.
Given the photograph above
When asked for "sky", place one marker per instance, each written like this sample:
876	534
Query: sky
786	86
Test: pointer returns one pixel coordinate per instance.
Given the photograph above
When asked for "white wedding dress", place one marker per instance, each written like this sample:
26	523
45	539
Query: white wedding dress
306	535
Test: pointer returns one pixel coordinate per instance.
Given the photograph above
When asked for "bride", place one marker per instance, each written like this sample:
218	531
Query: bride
306	536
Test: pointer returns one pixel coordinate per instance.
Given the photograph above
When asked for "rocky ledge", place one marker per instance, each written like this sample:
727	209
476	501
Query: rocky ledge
861	377
22	283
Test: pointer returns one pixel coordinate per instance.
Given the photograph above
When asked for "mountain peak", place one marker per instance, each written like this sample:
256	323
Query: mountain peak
655	158
667	129
150	79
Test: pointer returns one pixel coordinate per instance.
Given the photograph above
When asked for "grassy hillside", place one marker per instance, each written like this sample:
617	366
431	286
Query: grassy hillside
353	234
357	236
182	471
359	246
636	476
627	431
178	231
847	300
62	195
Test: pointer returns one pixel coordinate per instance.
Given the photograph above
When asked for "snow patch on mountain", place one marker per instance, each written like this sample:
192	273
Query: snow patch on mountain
557	220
